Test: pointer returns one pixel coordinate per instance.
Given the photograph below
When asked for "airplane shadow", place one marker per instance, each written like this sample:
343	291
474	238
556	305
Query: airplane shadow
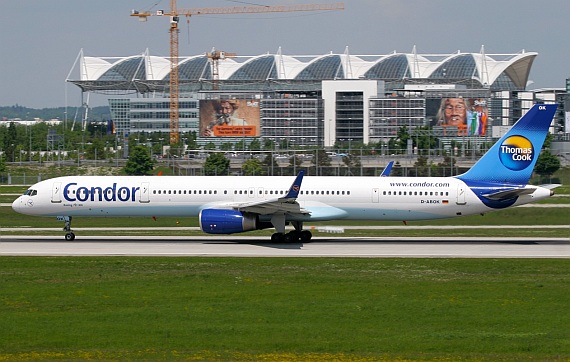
285	246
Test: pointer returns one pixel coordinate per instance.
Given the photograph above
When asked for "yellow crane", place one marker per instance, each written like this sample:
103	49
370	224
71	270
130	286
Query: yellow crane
175	14
215	56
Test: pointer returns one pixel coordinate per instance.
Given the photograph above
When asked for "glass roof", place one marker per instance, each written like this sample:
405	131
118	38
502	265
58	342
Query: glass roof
328	67
395	67
504	82
261	68
459	67
127	70
193	69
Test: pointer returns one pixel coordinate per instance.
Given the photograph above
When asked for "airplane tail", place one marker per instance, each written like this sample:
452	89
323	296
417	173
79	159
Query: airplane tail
511	160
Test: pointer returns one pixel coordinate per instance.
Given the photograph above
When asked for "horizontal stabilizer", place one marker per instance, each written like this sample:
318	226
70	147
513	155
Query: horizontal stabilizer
509	194
550	186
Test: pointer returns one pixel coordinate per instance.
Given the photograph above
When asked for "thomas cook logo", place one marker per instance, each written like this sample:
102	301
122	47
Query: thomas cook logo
516	153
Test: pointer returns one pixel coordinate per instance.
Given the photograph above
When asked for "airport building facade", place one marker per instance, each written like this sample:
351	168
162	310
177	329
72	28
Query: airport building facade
320	100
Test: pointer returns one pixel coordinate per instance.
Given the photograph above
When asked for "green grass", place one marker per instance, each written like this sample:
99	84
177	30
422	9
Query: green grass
273	309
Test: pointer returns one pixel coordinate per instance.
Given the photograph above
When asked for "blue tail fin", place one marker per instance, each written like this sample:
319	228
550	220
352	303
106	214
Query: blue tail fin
512	159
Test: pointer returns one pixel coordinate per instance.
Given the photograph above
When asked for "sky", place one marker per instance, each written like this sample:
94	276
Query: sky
40	39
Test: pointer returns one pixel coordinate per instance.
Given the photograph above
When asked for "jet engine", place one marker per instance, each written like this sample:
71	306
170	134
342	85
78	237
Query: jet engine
221	221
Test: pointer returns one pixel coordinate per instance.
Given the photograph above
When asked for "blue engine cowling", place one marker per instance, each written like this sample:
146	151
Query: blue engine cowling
220	221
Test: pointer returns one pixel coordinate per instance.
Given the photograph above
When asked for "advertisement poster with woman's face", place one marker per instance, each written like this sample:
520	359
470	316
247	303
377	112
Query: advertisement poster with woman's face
229	118
469	115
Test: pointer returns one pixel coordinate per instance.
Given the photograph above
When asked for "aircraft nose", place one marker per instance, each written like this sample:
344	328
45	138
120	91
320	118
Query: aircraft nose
17	204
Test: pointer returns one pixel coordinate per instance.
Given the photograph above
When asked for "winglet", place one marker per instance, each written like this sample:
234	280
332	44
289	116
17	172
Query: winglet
295	187
387	169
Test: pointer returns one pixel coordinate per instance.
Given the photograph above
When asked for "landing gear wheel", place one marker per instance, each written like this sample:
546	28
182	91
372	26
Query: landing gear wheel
305	235
69	235
277	238
291	237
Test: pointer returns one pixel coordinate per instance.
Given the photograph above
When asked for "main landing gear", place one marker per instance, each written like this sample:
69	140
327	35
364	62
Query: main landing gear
292	236
69	235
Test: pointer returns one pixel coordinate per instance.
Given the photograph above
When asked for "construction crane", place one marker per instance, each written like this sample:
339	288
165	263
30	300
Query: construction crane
215	56
175	14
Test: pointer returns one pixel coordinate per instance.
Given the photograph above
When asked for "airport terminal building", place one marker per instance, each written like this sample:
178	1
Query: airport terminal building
318	100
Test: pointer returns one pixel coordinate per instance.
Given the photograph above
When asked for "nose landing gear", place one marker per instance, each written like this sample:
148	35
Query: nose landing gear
69	235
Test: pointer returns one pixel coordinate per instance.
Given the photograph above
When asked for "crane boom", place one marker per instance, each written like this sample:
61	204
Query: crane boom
174	18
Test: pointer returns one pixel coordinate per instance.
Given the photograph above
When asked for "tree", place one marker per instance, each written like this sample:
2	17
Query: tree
444	168
216	164
270	163
139	162
96	150
353	164
255	145
421	167
252	167
547	164
210	146
268	145
2	164
401	140
322	162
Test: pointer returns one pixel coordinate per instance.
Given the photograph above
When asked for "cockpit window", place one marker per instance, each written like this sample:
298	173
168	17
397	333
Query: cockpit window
31	192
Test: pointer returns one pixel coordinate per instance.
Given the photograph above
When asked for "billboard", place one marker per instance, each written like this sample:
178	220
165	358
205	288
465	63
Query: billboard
229	118
469	115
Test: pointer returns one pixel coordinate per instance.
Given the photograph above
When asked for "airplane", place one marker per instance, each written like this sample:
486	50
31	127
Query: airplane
228	205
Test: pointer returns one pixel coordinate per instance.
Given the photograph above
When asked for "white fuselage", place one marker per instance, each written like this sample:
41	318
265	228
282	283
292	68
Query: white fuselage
325	198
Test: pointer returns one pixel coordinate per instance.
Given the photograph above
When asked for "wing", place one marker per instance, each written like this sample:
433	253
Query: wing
287	204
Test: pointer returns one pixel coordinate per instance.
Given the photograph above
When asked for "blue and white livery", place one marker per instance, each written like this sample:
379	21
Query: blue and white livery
227	205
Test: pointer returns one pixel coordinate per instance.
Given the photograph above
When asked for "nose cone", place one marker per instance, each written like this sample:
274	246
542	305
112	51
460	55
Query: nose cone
17	205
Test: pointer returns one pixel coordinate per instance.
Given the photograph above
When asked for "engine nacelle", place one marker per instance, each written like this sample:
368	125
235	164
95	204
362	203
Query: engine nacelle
220	221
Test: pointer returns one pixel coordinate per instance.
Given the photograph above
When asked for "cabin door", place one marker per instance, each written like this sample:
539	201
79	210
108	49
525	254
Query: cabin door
375	195
461	191
56	192
144	193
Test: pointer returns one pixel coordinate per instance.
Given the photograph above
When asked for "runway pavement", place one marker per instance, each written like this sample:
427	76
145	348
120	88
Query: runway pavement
240	246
